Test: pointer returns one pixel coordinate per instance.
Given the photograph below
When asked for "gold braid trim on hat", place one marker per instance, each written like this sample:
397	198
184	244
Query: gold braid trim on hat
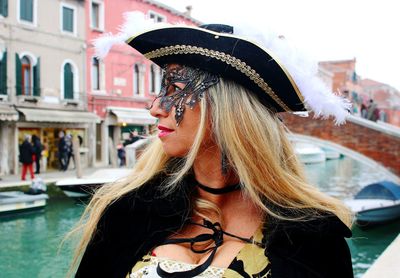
226	58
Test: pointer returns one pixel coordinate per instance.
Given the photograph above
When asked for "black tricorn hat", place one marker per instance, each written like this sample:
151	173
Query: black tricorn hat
216	49
225	55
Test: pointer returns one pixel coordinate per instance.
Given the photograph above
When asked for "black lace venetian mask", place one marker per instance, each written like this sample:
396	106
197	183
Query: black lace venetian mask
174	94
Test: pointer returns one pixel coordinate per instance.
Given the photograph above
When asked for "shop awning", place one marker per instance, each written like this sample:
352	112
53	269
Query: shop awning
57	116
8	113
134	116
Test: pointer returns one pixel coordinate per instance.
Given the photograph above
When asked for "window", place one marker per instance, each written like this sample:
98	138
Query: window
96	15
4	8
136	80
27	75
26	10
154	79
3	73
95	74
68	81
68	19
157	17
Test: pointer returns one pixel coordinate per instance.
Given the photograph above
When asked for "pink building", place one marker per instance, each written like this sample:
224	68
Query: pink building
386	97
121	86
341	77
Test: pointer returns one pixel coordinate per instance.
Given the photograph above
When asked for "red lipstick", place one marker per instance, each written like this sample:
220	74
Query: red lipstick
164	131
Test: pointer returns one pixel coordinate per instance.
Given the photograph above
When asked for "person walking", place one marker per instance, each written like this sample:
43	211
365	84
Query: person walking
37	151
26	153
62	151
69	151
372	111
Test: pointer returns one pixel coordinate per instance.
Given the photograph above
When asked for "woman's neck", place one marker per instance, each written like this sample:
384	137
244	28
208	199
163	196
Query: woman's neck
208	171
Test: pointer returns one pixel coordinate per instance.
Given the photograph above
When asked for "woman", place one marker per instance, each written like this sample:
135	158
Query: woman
37	150
26	153
220	192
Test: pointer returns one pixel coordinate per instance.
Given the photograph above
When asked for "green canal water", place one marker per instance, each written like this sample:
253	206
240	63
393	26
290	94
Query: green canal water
30	243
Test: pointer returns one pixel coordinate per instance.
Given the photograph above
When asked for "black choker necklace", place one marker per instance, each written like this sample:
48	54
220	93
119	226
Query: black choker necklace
219	191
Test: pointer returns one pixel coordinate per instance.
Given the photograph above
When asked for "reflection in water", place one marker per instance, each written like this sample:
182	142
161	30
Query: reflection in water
29	243
342	178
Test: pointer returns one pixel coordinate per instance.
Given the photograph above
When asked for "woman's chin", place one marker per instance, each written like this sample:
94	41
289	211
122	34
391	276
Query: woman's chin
174	152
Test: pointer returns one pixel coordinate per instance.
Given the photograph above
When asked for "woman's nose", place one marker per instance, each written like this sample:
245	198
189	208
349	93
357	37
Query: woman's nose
156	110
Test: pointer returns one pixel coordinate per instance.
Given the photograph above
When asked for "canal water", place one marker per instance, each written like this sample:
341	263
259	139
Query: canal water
30	244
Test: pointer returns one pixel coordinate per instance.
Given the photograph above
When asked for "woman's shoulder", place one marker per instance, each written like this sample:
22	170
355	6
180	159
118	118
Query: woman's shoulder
313	247
324	223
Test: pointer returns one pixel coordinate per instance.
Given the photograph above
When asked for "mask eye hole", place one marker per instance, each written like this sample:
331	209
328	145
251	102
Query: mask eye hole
173	89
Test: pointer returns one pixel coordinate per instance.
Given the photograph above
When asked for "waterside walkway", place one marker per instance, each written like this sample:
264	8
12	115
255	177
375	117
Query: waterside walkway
48	177
387	265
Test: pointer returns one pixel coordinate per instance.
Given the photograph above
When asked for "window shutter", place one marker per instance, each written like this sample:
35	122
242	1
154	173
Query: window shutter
36	79
18	75
3	74
27	10
68	82
4	8
68	19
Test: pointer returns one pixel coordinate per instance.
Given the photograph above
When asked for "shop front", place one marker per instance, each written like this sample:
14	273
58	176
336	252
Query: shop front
47	125
119	122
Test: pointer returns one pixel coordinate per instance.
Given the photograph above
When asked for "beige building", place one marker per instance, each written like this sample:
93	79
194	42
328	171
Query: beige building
42	84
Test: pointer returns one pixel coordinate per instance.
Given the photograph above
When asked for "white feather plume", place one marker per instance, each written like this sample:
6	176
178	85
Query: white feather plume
304	70
134	23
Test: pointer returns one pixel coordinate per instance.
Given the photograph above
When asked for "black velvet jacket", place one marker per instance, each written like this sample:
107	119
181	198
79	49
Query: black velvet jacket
143	219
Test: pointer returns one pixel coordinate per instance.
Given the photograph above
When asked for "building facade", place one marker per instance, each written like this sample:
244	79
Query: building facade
342	78
122	86
42	77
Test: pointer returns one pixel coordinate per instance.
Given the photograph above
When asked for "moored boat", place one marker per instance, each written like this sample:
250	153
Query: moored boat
83	187
18	201
309	153
331	154
376	203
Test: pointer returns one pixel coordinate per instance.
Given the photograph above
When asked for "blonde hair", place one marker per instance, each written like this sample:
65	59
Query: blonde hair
257	148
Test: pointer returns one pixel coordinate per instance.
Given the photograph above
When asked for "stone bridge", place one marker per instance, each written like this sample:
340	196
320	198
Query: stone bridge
377	144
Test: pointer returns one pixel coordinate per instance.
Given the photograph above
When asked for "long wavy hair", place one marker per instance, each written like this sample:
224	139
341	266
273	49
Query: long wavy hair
256	144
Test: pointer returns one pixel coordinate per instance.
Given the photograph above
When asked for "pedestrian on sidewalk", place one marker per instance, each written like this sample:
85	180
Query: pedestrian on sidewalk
121	154
37	150
69	150
26	153
62	151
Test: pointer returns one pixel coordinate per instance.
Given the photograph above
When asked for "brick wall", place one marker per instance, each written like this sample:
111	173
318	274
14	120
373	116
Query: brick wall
378	146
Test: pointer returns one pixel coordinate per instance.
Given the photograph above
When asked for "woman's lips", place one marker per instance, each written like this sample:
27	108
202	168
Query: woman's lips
164	131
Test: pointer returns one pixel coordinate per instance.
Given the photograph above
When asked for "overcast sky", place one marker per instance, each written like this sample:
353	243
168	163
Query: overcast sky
368	30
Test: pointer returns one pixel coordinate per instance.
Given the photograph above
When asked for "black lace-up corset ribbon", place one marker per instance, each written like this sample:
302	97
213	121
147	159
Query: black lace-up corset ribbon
217	236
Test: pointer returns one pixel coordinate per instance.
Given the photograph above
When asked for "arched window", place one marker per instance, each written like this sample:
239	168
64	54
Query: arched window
136	80
68	81
26	68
